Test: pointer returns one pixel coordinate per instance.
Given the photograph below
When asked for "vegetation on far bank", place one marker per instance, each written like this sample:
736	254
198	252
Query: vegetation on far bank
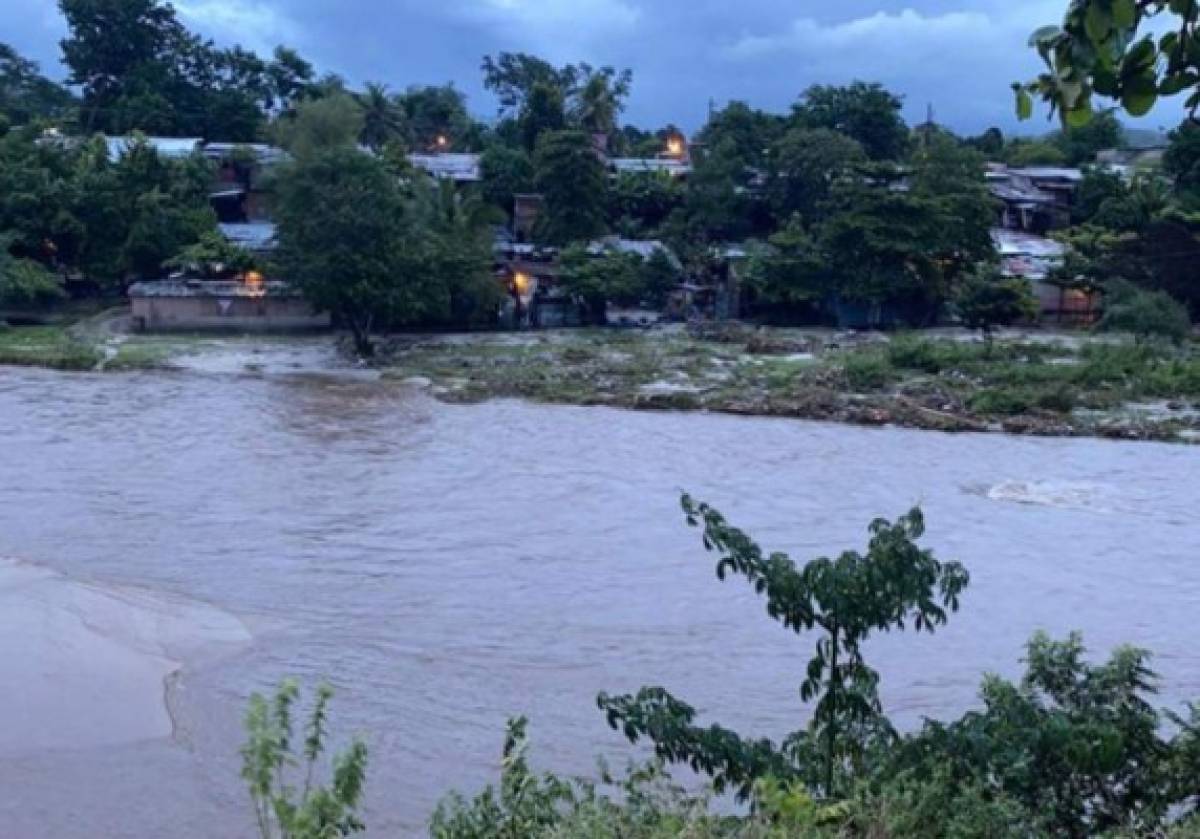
1053	385
1043	383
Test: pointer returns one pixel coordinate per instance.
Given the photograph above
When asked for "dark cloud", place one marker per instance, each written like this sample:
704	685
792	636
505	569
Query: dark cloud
958	57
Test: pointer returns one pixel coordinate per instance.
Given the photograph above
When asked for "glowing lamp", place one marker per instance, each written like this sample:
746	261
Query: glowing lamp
253	278
521	282
675	147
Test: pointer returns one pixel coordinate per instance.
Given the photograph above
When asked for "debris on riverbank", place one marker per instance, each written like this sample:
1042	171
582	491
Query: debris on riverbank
1032	383
1035	382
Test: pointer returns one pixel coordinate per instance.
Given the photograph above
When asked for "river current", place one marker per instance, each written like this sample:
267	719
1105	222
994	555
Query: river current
448	567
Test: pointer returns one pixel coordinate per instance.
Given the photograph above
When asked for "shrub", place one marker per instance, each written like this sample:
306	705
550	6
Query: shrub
1061	398
867	371
1001	401
1145	314
987	300
911	353
313	812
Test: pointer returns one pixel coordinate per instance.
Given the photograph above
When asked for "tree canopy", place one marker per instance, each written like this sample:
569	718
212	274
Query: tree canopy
571	178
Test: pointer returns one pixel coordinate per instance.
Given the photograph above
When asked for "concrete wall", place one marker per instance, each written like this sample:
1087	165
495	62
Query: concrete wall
246	313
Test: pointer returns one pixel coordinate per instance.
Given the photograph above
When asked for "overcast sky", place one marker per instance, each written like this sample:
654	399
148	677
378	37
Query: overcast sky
959	56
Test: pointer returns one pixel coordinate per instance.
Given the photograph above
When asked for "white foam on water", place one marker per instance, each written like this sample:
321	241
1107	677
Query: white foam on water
1075	495
85	665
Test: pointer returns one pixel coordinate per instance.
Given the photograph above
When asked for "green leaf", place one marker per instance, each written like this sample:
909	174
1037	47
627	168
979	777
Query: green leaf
1139	58
1124	13
1024	105
1097	22
1080	115
1140	94
1177	82
1045	33
1104	82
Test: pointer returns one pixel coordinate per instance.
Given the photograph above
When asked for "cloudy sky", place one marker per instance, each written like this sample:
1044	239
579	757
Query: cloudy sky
957	55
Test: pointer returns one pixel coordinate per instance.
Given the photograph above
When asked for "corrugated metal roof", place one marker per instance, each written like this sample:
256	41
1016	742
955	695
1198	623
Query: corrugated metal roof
645	248
675	168
211	288
263	153
1014	242
254	235
462	168
174	147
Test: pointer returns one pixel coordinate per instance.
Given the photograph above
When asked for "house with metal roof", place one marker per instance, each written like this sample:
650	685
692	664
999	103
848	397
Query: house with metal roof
457	167
673	166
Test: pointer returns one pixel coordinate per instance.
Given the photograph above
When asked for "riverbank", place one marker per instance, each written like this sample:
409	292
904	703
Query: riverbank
1039	383
1029	382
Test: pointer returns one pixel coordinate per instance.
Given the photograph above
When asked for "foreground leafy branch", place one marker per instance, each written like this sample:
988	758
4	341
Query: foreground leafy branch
894	585
313	811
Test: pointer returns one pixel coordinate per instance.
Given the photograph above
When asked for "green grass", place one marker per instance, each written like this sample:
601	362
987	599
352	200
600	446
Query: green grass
45	346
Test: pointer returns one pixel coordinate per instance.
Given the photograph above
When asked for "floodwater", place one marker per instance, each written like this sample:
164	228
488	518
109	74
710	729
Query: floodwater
448	567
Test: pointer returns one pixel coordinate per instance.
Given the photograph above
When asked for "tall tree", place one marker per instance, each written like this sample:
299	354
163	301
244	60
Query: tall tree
506	172
141	69
451	256
342	240
382	118
789	276
543	110
600	100
512	77
804	163
866	112
1182	162
320	124
571	177
743	132
717	204
25	94
437	119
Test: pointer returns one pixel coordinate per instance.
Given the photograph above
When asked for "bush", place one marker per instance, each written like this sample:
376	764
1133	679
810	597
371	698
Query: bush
313	811
1061	398
912	353
867	371
987	300
1145	314
1003	401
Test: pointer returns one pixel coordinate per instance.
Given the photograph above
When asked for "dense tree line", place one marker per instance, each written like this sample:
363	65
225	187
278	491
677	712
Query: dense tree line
846	211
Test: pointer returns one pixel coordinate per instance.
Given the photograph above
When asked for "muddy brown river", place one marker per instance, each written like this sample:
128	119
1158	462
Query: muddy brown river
447	567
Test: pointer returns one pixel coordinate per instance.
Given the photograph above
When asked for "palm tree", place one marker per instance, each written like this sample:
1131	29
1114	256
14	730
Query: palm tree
455	243
383	120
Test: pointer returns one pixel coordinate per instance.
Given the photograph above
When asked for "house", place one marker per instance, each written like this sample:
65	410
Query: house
527	209
238	194
674	167
258	237
253	304
1034	199
1033	258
